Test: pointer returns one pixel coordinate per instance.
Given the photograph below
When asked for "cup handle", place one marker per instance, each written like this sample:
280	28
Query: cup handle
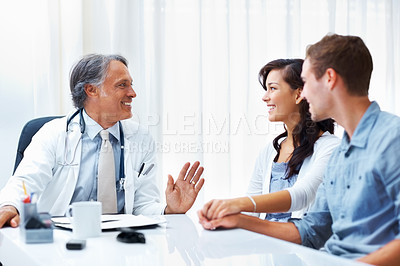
69	213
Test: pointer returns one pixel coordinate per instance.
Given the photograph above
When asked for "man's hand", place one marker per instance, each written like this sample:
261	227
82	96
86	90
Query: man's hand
181	195
9	216
219	208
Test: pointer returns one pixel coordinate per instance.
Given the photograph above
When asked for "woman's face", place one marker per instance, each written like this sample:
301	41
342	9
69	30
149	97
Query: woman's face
281	100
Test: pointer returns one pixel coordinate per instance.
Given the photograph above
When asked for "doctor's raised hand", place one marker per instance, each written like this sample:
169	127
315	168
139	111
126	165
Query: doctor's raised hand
181	195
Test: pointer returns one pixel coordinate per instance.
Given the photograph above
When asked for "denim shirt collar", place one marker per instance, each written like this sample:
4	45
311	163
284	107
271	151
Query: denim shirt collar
363	129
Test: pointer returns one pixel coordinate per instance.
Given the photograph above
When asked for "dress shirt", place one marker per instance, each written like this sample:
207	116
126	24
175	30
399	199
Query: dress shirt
357	207
86	187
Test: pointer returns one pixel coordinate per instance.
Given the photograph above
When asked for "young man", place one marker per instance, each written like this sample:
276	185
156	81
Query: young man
64	162
357	208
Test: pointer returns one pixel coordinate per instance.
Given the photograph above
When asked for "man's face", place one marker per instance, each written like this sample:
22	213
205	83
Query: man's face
315	92
116	94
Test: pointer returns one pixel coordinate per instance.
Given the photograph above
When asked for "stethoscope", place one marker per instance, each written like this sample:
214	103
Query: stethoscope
82	126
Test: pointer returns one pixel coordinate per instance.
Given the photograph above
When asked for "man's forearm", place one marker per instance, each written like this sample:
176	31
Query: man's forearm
284	231
387	255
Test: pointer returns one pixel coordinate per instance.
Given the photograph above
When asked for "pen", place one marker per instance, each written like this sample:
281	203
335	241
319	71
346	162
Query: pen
141	169
33	197
148	169
27	199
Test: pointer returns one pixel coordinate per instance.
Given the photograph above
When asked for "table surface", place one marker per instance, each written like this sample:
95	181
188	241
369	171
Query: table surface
179	241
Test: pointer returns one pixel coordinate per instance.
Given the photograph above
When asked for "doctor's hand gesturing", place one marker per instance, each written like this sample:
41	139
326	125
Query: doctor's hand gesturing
181	195
9	216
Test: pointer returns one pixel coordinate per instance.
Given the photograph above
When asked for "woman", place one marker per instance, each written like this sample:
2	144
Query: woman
289	170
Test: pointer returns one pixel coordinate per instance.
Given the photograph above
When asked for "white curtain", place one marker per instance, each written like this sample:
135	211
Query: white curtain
194	64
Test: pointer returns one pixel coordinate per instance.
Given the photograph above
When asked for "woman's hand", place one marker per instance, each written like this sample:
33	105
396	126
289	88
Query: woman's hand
215	209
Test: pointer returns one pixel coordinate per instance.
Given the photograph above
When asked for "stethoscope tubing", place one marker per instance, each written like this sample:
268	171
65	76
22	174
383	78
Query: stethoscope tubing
82	125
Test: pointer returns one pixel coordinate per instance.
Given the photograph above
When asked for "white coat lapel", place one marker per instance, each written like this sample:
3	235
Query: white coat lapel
70	162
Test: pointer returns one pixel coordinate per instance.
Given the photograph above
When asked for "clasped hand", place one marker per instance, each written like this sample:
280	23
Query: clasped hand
220	213
218	208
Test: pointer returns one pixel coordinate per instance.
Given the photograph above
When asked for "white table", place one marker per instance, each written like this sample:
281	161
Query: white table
180	241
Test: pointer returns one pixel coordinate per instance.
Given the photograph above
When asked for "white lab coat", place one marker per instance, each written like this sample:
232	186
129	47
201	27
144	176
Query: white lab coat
310	176
50	168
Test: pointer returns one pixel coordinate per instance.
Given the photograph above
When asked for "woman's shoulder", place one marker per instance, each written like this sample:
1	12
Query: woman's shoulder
267	150
327	139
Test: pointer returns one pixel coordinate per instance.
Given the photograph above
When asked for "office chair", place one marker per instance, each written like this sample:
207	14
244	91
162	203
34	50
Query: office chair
28	131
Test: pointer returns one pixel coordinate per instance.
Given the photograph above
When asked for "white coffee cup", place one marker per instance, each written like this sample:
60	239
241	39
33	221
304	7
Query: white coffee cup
85	219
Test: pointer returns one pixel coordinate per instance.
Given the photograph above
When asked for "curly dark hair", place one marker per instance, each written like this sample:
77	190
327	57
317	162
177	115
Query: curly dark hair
306	132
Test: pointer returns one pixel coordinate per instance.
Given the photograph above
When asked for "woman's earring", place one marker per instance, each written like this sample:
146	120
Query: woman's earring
299	99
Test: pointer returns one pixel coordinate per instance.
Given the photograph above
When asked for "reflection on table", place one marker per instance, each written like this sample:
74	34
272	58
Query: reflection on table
179	241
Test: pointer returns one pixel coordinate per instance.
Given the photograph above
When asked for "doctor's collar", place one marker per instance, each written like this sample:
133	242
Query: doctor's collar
93	128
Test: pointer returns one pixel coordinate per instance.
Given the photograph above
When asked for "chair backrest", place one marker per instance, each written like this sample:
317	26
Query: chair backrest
28	131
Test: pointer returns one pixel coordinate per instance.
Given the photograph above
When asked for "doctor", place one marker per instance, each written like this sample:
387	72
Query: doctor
60	164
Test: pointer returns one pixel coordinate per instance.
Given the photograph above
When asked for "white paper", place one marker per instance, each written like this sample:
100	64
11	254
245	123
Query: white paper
115	221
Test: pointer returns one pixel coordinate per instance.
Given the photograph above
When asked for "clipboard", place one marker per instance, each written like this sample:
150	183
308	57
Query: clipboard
115	221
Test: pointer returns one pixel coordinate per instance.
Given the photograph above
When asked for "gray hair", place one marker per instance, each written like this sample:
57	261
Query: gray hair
91	69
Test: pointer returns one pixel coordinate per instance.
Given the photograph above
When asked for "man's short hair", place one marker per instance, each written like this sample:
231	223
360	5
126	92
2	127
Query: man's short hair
348	56
91	69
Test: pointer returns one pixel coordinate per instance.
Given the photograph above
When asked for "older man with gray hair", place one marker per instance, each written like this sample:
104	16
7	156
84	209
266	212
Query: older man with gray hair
67	162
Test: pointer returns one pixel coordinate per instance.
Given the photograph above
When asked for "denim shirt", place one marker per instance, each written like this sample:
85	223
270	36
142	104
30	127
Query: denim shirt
279	182
357	207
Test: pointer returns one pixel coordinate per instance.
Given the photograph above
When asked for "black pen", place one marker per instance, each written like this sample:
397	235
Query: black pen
141	169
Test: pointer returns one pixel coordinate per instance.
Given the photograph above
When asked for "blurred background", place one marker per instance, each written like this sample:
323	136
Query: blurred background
195	66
